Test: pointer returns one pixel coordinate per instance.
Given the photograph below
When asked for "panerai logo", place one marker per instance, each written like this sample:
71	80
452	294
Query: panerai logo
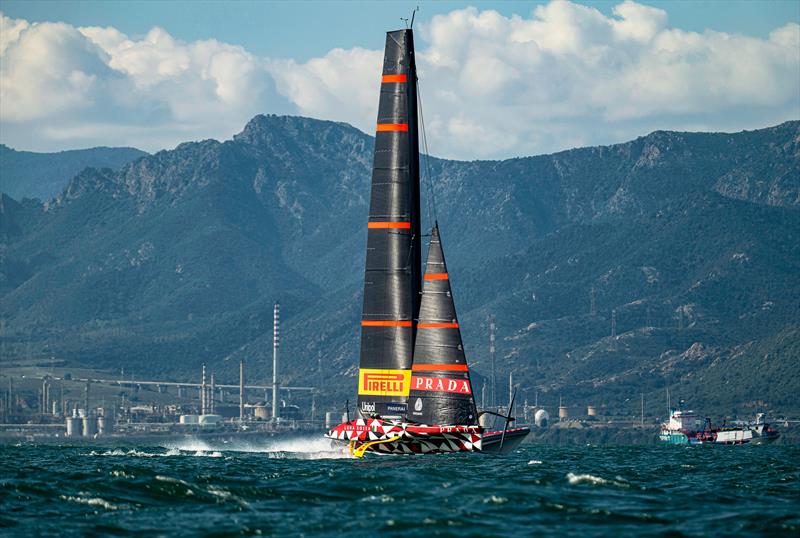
396	407
418	405
368	407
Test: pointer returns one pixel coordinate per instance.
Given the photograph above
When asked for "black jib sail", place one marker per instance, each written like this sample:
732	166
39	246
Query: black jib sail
392	278
441	392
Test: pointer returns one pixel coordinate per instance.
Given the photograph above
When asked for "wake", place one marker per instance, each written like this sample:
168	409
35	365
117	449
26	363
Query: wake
302	448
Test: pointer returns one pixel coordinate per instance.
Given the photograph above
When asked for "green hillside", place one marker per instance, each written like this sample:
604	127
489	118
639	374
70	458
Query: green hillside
692	240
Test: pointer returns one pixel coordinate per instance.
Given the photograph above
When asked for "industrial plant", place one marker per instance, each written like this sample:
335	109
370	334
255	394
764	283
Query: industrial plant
41	402
72	406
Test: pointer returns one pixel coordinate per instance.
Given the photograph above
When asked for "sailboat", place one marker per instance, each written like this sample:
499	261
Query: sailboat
414	390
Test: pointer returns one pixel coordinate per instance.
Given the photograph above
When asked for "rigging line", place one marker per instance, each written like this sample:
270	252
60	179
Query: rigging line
429	181
425	151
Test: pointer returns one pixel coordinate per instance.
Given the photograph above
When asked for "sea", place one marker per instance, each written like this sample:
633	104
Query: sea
300	487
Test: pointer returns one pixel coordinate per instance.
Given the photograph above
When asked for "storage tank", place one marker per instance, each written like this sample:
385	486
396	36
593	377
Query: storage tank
102	425
591	411
483	419
541	418
73	426
330	419
210	421
189	419
89	426
262	412
562	412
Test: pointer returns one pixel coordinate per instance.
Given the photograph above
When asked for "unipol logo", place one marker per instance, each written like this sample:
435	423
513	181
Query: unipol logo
441	384
368	407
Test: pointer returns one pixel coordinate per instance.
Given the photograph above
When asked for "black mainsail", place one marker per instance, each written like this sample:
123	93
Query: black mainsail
392	280
441	392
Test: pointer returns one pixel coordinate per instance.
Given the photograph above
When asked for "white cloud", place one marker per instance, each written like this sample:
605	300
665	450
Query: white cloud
9	31
47	68
343	85
62	86
569	75
492	86
637	22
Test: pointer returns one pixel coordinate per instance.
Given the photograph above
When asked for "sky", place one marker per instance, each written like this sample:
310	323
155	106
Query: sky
498	79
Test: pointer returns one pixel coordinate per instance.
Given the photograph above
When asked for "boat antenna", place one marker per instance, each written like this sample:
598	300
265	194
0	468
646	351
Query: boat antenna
405	20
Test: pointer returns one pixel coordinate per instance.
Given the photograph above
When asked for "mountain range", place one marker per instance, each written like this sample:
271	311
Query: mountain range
670	260
44	175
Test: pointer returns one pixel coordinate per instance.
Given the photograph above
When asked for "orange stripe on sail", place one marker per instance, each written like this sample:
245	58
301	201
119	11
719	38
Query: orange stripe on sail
436	276
393	78
440	368
384	225
382	127
438	326
385	323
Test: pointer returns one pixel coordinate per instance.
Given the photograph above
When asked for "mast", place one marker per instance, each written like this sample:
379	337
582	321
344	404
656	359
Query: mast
441	391
393	275
413	170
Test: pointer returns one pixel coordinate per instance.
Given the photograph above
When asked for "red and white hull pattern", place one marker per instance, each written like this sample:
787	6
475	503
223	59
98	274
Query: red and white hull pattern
396	437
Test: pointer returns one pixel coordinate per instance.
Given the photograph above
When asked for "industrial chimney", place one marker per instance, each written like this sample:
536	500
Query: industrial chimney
275	344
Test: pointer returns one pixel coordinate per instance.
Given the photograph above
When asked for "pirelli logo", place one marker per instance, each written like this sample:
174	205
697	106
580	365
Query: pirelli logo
375	382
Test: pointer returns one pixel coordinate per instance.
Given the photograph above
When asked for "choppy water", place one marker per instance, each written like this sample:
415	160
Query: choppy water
299	488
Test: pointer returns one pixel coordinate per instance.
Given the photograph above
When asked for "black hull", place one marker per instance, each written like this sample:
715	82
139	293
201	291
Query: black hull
491	441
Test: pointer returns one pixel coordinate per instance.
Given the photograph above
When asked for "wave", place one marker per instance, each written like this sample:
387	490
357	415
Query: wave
172	480
134	489
226	496
118	452
92	501
575	479
581	478
295	448
173	451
